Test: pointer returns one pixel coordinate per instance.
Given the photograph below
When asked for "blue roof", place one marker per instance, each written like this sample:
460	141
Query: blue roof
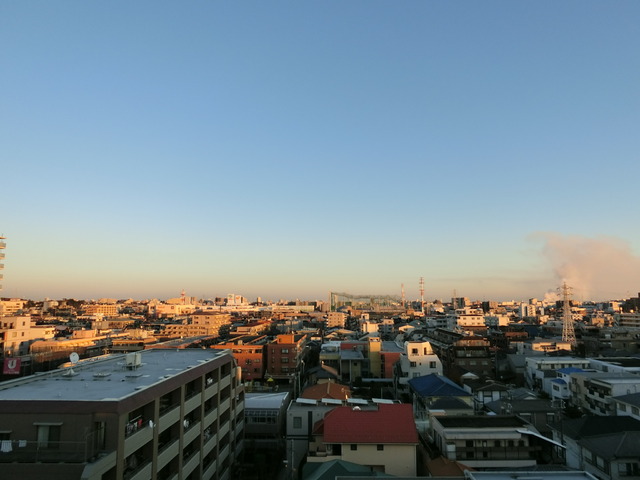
558	380
435	385
570	370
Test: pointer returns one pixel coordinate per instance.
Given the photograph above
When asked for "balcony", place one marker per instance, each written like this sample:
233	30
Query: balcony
21	451
138	439
169	418
141	473
192	432
168	453
193	402
190	463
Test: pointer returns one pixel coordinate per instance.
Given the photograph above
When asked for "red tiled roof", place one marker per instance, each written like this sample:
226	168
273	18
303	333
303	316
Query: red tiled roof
390	423
327	390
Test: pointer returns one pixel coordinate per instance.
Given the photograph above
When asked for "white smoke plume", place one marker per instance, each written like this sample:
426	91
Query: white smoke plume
602	268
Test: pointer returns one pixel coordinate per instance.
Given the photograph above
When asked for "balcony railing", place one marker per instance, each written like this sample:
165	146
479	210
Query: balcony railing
22	451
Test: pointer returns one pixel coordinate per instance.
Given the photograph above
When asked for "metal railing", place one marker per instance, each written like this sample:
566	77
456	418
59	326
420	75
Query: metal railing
22	451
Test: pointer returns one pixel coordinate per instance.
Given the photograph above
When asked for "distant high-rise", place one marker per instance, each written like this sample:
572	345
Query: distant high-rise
2	247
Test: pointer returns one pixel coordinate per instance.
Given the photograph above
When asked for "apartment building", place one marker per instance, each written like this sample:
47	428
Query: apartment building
488	441
199	324
12	306
284	356
336	319
17	334
418	360
106	309
599	390
155	414
250	354
463	353
539	371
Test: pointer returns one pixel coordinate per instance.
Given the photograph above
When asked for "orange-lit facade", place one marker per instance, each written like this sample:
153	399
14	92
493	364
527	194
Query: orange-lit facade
250	354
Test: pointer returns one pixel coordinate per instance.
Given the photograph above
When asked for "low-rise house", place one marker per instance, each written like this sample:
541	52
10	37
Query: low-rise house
382	437
607	447
538	412
628	405
484	391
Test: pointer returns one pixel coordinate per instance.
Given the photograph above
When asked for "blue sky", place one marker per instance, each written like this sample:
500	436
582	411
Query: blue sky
286	149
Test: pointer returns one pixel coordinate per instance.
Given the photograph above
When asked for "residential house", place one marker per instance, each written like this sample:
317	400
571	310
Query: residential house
607	447
382	437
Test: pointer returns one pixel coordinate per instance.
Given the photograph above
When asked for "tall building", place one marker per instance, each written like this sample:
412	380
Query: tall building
155	414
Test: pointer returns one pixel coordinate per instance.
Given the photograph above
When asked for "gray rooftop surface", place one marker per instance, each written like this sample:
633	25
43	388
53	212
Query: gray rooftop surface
106	377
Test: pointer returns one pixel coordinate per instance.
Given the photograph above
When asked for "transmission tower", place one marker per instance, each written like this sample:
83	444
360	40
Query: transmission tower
422	294
568	332
402	292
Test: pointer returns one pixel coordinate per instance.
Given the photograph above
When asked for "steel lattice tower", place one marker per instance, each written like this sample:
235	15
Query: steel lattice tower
568	332
422	294
2	247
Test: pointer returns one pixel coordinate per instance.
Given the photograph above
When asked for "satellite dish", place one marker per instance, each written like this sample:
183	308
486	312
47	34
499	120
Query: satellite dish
74	357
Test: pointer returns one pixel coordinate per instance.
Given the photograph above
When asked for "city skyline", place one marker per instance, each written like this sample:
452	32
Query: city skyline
288	150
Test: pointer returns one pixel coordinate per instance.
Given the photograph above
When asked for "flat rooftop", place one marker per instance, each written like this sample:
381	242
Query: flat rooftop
107	377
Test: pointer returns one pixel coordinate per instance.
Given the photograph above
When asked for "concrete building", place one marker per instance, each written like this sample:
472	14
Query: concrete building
250	354
284	357
606	447
156	414
336	319
199	324
539	371
106	309
488	441
418	360
628	405
17	335
13	306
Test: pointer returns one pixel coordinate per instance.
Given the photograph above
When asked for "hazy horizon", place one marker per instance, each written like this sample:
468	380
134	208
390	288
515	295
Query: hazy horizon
285	150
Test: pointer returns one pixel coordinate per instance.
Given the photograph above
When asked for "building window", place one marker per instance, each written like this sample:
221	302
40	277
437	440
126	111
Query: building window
354	446
284	360
284	350
629	469
380	447
414	351
622	407
634	410
48	435
432	364
497	443
297	422
412	364
469	443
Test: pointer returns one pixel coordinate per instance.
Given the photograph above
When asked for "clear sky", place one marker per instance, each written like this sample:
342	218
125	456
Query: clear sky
284	149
